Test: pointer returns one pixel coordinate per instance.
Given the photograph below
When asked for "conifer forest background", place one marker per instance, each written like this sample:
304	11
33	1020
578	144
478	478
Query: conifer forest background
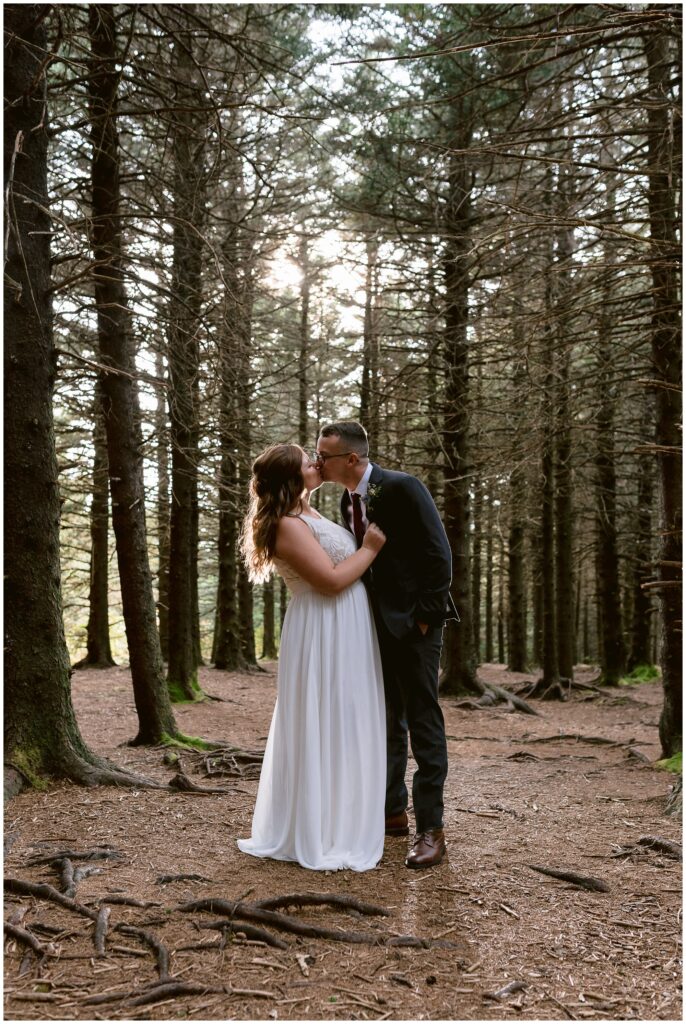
228	224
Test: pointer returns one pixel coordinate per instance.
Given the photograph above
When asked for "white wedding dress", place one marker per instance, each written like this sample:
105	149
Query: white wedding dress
321	795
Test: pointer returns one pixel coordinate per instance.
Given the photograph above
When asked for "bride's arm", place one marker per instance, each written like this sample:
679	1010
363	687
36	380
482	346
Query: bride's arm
297	546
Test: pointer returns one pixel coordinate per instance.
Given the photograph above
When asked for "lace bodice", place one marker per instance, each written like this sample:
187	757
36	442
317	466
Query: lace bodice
338	543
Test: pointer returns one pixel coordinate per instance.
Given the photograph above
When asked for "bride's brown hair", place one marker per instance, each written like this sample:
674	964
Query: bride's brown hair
276	485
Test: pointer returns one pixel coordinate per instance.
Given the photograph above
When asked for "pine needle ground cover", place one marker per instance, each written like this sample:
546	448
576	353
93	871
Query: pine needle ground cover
560	898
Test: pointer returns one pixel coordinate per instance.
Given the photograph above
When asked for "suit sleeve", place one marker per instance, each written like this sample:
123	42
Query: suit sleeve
433	555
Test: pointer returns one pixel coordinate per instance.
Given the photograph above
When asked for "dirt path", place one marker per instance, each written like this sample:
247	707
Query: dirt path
511	802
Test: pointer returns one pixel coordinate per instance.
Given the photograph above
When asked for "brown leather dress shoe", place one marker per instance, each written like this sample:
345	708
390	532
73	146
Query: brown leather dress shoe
427	850
398	824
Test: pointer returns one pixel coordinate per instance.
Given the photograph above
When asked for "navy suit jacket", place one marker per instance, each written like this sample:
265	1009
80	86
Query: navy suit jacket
410	578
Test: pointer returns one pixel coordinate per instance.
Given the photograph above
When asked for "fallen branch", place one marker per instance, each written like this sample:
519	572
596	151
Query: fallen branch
583	881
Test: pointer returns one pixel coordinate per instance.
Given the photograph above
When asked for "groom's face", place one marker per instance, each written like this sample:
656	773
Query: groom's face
334	459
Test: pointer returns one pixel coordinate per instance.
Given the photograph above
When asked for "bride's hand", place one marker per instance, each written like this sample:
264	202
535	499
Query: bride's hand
374	538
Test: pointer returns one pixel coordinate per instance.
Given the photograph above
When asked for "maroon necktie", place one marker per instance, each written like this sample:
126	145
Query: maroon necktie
358	525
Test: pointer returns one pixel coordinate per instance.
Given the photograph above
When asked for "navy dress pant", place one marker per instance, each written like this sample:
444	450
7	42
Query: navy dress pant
410	671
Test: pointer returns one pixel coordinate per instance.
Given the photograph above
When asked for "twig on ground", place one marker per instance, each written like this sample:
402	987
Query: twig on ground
583	881
163	879
506	990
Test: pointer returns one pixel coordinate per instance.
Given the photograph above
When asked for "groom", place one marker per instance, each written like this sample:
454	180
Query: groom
409	585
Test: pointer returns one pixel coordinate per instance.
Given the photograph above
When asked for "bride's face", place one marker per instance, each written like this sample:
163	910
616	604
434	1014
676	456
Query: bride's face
311	474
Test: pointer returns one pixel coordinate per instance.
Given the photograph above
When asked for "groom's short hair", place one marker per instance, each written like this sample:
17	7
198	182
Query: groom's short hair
352	434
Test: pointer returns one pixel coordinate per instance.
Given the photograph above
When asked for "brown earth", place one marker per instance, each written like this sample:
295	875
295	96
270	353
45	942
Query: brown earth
567	803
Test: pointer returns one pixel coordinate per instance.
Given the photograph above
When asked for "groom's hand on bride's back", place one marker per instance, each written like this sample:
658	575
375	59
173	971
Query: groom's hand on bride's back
374	538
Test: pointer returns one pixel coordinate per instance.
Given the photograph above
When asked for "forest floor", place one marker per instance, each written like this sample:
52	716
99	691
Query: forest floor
518	793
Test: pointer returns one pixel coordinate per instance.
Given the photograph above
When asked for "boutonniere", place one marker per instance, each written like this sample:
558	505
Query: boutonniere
372	496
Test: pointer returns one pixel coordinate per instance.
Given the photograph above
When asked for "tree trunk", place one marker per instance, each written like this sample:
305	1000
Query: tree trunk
640	653
517	538
501	603
98	650
245	588
547	563
227	648
477	536
369	395
564	521
120	399
613	654
183	356
535	549
42	738
459	675
663	188
304	354
162	511
489	656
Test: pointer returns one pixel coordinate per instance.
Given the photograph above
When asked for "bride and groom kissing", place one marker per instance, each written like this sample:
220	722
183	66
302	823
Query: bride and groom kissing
358	660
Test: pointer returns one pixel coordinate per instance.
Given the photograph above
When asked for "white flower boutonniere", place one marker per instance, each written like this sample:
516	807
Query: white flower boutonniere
372	496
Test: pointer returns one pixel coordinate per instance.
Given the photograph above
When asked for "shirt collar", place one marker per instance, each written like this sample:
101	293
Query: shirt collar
362	486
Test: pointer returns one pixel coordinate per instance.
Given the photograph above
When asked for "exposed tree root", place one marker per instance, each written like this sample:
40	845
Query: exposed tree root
67	878
99	772
42	891
183	784
665	846
250	931
163	879
282	922
558	689
507	696
129	901
161	951
99	853
316	899
600	740
583	881
100	931
26	938
172	989
243	764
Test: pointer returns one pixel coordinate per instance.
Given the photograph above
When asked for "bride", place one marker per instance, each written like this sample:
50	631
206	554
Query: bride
321	795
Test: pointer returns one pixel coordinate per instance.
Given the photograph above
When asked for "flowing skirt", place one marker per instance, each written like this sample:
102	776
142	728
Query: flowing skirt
321	795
